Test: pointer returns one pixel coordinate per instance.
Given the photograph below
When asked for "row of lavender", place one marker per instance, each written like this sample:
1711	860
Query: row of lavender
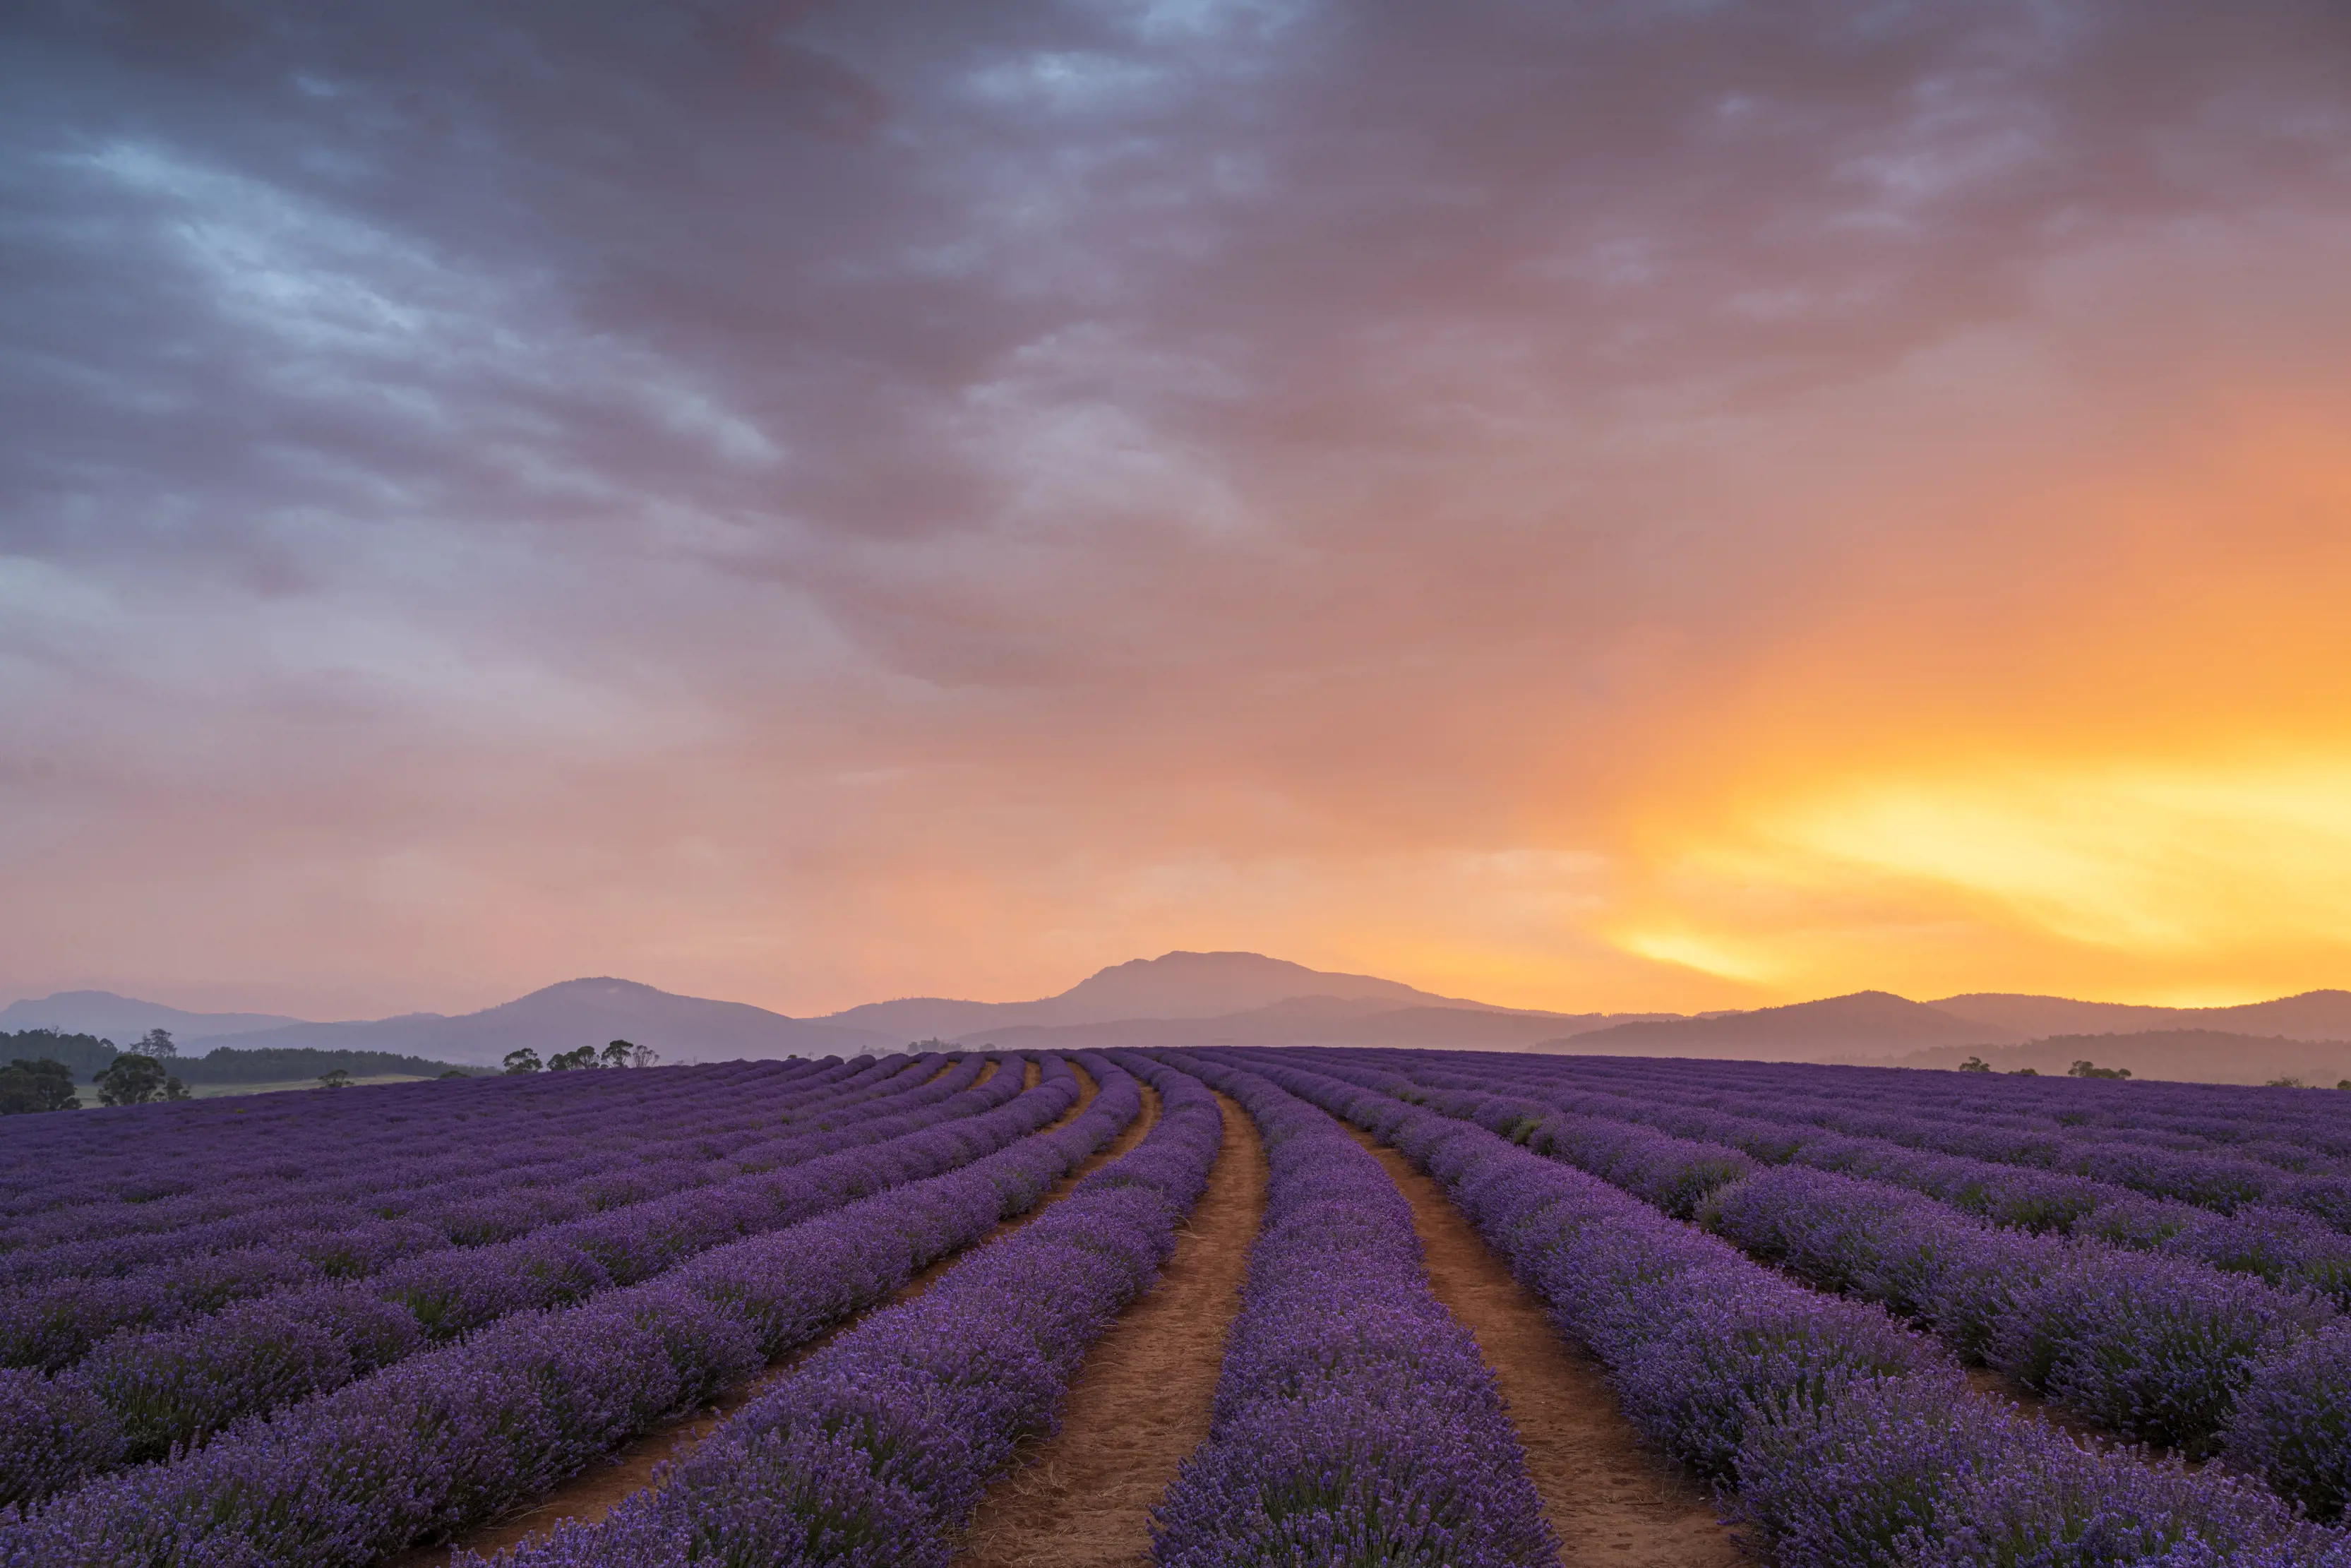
876	1450
2286	1247
1354	1421
455	1435
205	1153
2210	1173
144	1395
485	1134
1850	1440
2155	1348
1844	1438
2292	1130
293	1245
372	1205
455	1188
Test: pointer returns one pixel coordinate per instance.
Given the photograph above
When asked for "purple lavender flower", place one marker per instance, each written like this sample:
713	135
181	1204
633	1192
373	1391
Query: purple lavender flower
1354	1419
877	1449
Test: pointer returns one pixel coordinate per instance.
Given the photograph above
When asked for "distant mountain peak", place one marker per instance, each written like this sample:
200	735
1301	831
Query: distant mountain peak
1850	1002
1178	984
2311	1015
1183	961
590	1011
1184	984
1856	1022
595	985
1219	958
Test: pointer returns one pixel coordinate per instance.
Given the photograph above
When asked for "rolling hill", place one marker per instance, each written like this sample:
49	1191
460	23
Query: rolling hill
2185	1055
1173	986
1248	998
583	1012
1301	1021
1866	1023
125	1018
2313	1015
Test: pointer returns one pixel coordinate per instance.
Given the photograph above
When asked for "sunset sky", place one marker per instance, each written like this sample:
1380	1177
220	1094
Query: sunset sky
1653	504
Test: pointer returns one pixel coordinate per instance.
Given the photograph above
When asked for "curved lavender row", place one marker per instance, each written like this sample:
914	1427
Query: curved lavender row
2287	1247
186	1161
2293	1247
516	1140
52	1326
877	1449
328	1157
143	1395
2211	1180
472	1212
458	1435
2155	1349
1354	1419
2215	1178
86	1163
104	1175
2291	1131
2022	1196
1931	1264
2168	1167
1849	1441
169	1387
2294	1131
349	1180
631	1155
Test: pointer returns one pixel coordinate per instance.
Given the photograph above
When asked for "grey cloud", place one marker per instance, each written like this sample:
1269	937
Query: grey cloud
1131	379
831	229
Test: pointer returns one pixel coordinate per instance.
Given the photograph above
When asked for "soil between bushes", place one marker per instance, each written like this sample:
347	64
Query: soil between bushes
1141	1404
596	1491
1083	1497
1612	1502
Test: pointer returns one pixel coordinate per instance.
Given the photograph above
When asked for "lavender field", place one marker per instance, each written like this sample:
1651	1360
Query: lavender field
1184	1307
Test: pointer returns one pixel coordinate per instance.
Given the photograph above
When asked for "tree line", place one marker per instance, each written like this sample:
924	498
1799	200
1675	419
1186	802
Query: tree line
152	1070
2079	1070
49	1064
46	1083
618	1053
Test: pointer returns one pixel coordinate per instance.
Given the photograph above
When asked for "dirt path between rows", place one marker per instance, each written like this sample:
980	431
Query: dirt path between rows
1083	1499
1611	1501
594	1492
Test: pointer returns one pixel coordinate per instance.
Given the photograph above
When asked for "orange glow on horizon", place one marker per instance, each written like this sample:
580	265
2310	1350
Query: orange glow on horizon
1545	553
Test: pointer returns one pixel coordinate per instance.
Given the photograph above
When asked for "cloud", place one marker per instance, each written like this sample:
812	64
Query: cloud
808	501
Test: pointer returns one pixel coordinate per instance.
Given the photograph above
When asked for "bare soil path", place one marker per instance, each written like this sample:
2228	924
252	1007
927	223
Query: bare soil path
1083	1499
595	1491
1612	1502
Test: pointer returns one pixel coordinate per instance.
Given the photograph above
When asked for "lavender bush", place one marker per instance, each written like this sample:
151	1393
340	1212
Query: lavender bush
209	1161
1850	1443
173	1388
51	1325
451	1436
1353	1420
2154	1348
877	1449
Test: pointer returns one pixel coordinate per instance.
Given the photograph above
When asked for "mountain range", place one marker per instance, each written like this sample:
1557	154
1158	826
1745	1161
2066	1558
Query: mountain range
1246	999
125	1018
